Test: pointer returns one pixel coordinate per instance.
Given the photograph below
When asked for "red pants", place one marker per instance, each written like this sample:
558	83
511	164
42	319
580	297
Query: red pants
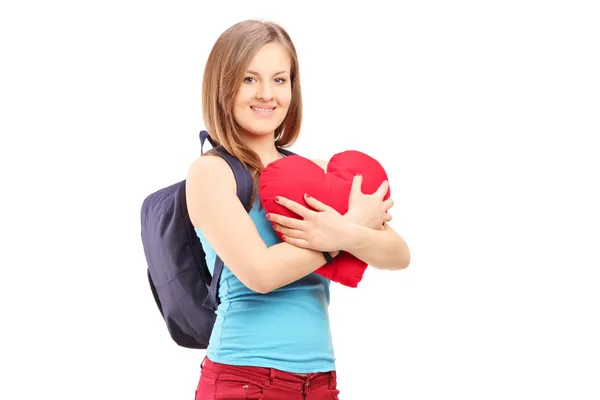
229	382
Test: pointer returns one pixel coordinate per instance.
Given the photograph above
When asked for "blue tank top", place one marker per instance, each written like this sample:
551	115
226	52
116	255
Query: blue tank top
287	329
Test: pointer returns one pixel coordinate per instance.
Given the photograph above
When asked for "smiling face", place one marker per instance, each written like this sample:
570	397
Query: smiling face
265	93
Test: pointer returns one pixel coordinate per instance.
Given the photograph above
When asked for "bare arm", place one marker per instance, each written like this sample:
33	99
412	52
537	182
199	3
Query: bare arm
381	249
215	209
326	229
359	232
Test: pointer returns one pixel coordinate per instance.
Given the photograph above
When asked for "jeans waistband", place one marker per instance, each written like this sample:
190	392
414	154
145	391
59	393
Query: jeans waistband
271	376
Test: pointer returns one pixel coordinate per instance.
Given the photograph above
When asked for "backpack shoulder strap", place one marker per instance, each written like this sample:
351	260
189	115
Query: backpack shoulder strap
243	179
244	184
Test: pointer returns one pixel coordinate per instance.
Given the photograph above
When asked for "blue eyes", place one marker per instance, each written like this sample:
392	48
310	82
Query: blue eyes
250	79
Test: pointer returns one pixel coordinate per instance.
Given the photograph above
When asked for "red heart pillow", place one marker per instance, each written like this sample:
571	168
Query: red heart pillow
293	176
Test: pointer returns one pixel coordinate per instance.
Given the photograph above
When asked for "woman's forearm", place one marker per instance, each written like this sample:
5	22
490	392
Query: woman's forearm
284	263
382	249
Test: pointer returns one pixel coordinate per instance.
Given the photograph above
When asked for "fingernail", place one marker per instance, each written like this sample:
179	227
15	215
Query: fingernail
277	200
268	216
307	196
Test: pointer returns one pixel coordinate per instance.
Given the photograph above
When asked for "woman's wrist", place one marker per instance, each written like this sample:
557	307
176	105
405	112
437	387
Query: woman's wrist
353	237
353	218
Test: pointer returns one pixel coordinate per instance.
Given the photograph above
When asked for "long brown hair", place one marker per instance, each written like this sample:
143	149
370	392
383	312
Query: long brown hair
223	74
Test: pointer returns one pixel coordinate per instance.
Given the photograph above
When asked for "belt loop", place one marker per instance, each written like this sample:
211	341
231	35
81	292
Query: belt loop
332	380
203	362
269	382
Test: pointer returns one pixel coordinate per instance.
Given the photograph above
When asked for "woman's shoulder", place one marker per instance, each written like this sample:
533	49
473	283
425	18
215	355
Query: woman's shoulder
208	170
209	163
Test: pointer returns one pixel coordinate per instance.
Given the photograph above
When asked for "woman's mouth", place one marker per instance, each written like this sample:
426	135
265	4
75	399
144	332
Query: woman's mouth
263	111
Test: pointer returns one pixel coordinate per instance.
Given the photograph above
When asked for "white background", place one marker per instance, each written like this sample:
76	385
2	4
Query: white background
485	115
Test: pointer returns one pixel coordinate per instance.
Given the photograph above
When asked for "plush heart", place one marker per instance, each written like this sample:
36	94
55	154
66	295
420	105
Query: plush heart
293	176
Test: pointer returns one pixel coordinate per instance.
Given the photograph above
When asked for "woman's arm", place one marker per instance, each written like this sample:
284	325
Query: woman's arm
326	229
381	249
215	209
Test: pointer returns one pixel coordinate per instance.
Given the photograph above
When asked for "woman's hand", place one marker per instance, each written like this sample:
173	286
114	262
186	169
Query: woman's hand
325	229
321	230
368	210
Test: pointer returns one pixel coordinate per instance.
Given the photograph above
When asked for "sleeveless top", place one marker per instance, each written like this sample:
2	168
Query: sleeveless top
286	329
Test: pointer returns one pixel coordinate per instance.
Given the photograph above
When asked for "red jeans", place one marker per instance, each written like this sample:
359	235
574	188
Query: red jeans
229	382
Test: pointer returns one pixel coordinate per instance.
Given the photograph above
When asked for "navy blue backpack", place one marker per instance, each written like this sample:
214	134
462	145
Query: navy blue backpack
184	290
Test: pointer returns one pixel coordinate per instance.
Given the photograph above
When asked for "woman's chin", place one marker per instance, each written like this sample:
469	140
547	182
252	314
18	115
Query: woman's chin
262	130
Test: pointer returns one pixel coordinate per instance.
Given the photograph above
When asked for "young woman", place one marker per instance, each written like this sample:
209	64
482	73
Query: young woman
272	337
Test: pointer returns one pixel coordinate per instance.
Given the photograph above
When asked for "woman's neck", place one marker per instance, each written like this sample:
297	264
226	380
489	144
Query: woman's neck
264	146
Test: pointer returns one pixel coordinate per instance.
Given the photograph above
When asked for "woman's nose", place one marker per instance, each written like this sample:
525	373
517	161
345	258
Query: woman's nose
265	92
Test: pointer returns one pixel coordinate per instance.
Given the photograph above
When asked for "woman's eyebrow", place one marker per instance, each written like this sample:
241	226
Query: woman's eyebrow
276	73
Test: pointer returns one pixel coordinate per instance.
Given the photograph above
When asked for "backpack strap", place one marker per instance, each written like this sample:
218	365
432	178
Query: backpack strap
212	299
244	184
203	137
243	181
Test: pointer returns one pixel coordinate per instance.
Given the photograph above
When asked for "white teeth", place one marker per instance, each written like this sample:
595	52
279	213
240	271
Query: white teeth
262	109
